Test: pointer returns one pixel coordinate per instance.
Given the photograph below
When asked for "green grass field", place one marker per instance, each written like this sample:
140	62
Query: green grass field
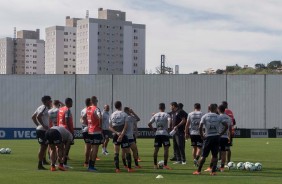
21	165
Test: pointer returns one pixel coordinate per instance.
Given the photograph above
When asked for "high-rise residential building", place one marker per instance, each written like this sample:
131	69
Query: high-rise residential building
6	55
110	45
23	54
60	48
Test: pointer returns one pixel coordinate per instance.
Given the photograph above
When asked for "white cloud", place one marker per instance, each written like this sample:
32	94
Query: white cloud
202	34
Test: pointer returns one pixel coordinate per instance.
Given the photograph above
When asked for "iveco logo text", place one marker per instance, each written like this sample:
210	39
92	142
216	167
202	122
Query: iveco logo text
2	134
25	134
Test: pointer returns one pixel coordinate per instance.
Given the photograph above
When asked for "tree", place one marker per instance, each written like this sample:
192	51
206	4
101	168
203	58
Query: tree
274	64
219	71
232	68
158	70
195	72
260	66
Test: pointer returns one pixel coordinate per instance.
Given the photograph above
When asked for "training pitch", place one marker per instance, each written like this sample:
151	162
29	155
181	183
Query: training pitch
21	165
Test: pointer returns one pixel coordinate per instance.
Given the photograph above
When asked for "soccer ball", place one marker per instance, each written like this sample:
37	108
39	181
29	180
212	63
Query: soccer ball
247	165
240	166
161	164
252	167
231	165
2	150
258	166
8	150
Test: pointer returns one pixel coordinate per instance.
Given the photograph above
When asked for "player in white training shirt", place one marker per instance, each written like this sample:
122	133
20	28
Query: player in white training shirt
131	120
105	127
162	121
224	139
53	113
41	120
118	125
57	137
192	131
211	122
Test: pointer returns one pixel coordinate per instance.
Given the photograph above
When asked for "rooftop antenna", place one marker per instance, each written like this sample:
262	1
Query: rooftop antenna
87	14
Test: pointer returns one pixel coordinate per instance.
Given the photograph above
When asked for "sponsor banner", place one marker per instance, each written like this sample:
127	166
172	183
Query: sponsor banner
263	133
27	133
279	133
145	133
17	133
30	133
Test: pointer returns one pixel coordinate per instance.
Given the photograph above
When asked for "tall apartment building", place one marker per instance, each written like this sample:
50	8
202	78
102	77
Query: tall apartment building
22	55
110	45
6	55
60	48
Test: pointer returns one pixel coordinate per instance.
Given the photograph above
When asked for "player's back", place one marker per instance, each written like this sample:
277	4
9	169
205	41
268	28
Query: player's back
225	118
130	129
117	120
161	119
66	135
194	119
211	122
53	115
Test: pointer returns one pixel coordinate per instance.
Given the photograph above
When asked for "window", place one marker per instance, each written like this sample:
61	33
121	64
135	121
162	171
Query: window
135	31
66	33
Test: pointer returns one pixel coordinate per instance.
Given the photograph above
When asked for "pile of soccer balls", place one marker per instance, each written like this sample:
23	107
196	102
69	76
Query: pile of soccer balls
245	166
5	150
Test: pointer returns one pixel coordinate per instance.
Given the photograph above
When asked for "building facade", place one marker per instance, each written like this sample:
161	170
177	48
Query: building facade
22	55
60	48
110	45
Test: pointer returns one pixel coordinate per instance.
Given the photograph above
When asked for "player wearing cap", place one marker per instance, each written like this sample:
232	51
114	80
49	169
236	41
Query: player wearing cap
84	127
58	138
192	131
162	121
118	125
211	122
41	120
94	120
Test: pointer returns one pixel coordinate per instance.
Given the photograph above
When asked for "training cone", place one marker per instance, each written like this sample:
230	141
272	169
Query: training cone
159	177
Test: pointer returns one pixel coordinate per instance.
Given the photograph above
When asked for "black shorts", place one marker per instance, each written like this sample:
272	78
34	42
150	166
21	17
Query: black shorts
230	143
85	136
124	142
161	140
95	139
53	136
131	141
211	144
107	134
196	140
223	144
40	135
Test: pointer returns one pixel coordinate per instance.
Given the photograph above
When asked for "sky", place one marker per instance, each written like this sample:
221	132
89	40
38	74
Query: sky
196	35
